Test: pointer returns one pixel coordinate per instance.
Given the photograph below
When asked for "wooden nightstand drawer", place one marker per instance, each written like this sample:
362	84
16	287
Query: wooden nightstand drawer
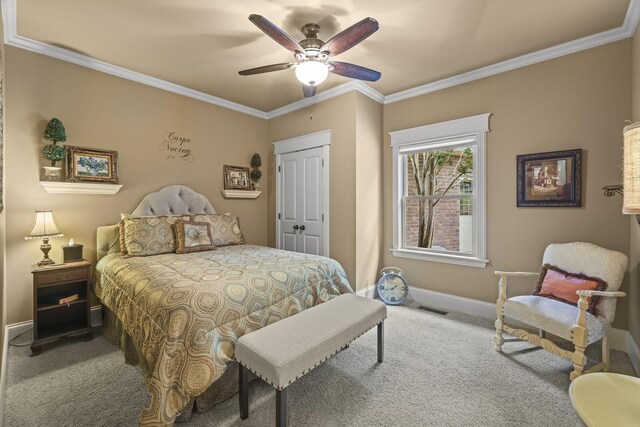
61	276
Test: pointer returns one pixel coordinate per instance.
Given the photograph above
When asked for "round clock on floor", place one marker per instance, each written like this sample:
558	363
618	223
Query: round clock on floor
392	288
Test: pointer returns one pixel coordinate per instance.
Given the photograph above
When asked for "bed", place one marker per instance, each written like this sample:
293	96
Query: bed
177	316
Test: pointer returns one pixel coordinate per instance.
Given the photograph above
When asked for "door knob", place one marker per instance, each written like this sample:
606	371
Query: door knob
302	228
295	227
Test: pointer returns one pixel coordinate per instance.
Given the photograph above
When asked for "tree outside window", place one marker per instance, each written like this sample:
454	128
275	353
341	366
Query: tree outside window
437	182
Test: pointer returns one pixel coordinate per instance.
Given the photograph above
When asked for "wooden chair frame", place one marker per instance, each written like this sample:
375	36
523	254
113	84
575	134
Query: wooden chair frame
579	332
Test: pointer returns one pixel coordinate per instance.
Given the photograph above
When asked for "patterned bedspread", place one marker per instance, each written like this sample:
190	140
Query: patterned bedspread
185	312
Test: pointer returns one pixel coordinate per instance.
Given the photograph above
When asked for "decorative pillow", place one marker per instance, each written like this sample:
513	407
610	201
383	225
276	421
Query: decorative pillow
150	235
193	237
123	246
560	285
224	228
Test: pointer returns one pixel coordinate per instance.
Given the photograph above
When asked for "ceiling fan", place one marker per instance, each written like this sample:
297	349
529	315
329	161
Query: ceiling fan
313	56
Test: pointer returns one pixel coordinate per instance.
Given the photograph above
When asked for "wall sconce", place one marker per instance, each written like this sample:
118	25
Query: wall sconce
630	188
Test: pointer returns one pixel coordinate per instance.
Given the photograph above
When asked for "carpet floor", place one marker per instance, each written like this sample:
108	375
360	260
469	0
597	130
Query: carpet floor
438	371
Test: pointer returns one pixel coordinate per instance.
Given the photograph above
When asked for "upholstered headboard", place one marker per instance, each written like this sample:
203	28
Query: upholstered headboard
171	200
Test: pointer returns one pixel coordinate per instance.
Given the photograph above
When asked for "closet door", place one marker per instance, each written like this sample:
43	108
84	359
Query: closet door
302	195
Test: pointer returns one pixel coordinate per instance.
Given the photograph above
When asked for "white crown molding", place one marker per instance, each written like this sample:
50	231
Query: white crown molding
626	30
347	87
11	37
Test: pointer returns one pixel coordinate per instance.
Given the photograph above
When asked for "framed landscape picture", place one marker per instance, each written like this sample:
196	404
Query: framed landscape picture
92	165
236	178
550	179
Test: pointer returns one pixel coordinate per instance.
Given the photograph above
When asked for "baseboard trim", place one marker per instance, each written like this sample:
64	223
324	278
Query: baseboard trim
620	339
450	302
368	292
15	329
633	350
3	373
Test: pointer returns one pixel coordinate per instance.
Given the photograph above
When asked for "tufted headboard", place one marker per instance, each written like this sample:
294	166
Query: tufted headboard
171	200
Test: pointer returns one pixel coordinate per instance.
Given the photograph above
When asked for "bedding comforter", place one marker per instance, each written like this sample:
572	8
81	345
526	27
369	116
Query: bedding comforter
185	312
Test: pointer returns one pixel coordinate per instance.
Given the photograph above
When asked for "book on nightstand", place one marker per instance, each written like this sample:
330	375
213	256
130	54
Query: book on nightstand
68	299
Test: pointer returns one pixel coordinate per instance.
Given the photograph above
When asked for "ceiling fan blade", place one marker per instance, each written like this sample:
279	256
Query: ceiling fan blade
309	91
350	37
273	31
355	71
266	69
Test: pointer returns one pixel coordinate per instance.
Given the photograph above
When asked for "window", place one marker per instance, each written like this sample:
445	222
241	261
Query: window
465	202
439	200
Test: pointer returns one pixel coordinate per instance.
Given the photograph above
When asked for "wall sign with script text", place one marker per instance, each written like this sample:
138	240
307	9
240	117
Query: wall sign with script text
177	147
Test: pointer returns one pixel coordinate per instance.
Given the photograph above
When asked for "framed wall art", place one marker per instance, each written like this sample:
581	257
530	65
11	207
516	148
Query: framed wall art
550	179
236	178
92	165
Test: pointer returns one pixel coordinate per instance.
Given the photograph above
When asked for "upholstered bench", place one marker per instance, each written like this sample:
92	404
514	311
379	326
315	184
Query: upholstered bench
286	350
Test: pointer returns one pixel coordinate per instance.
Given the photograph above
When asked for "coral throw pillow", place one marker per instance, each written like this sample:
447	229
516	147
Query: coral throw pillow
560	285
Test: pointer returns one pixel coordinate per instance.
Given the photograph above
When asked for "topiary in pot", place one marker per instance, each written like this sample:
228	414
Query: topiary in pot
256	175
54	153
54	132
256	162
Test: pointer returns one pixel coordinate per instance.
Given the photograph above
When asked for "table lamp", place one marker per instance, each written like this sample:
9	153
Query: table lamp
44	228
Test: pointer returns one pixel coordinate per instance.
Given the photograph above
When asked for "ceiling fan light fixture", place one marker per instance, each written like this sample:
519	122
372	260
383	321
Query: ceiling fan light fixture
312	73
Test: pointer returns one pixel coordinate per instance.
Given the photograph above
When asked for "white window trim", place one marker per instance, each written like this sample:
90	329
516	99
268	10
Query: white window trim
436	136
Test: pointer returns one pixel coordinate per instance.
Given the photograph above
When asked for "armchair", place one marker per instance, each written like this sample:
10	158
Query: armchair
573	323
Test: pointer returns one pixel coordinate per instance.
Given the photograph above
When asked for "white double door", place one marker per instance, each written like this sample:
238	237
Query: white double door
302	178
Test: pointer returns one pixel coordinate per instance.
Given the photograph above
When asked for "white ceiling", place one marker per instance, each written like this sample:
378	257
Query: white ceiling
203	44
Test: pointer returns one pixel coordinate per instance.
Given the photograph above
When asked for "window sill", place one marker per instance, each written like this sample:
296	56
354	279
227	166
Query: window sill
436	257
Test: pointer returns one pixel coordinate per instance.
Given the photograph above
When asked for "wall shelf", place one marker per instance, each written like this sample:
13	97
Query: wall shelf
240	194
55	187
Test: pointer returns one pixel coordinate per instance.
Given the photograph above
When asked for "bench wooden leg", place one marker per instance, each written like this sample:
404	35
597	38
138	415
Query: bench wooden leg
281	408
244	392
380	342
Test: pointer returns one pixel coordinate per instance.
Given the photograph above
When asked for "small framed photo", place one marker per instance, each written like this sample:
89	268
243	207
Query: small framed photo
236	178
550	179
92	165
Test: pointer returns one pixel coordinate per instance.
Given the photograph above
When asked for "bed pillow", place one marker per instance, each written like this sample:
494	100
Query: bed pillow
123	216
560	285
123	246
193	237
225	229
150	235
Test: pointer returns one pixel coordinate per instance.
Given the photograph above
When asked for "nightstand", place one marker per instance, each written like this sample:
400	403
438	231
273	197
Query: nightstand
52	317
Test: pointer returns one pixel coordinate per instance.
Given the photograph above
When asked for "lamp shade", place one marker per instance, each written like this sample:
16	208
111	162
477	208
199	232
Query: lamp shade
312	73
631	169
44	226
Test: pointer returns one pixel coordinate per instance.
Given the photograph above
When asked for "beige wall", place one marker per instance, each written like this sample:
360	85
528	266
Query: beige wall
634	248
103	111
354	174
3	310
368	190
577	101
339	115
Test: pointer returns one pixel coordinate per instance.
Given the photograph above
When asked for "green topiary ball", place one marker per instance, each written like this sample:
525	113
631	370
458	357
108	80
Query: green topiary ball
55	131
256	175
256	161
54	153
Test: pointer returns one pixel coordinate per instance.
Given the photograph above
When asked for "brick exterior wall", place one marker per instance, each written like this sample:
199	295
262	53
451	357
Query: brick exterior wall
446	219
